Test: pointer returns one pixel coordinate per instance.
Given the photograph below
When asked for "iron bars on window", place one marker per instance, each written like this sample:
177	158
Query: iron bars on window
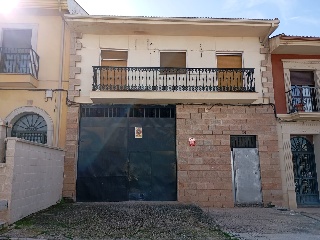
303	99
19	60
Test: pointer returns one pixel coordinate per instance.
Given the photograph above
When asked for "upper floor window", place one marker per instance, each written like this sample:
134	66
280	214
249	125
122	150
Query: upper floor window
16	38
173	62
17	55
229	73
117	75
303	91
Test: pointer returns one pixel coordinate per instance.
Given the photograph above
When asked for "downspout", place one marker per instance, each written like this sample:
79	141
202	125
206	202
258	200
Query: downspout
60	78
268	34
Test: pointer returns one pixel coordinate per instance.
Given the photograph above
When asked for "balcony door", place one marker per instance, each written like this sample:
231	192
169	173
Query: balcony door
117	75
16	49
227	75
303	91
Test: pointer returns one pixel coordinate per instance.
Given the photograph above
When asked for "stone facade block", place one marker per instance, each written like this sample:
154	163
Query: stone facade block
264	50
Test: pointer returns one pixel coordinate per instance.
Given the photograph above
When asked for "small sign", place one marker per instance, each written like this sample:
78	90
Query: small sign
192	142
138	132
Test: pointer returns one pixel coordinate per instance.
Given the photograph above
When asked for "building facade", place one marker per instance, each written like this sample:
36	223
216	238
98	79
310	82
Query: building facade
34	75
172	109
296	74
34	71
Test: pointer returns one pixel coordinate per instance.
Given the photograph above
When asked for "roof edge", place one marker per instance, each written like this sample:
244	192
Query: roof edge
175	19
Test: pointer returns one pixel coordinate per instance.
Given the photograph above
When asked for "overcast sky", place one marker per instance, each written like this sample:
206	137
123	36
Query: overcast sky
297	17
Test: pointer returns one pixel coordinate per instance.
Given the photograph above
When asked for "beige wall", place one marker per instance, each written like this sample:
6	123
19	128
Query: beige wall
47	41
31	177
144	51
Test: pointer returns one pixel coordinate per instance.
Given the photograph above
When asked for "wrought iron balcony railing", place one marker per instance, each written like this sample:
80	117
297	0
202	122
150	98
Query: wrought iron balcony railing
19	60
107	78
303	99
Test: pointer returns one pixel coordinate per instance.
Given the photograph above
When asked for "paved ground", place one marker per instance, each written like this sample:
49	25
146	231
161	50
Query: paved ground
269	223
130	220
145	220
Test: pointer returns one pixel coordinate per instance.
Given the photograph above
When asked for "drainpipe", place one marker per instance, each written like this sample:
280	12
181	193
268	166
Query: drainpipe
60	78
268	34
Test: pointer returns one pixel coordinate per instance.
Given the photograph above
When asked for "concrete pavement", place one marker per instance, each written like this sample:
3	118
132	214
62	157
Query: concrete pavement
269	223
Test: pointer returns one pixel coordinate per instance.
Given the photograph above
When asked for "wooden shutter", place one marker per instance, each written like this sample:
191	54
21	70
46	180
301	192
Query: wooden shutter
114	59
233	78
114	55
173	60
302	78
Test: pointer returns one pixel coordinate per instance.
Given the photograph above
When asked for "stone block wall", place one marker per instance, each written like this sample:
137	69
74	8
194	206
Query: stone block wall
204	171
32	178
70	167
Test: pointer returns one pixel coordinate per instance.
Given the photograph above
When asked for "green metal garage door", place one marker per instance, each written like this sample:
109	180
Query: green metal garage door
127	152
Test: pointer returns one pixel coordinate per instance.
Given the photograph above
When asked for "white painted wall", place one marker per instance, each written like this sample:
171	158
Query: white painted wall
34	175
144	51
2	137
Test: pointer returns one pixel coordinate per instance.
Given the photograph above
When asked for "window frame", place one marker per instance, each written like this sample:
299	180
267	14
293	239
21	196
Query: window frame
182	70
299	65
33	27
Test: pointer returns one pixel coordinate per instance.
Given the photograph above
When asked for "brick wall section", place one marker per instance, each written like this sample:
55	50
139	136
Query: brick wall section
70	166
204	171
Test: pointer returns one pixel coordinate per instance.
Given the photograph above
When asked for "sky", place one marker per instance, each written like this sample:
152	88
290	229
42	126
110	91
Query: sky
297	17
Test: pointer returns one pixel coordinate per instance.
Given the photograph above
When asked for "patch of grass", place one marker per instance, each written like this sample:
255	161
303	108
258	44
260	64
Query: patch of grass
228	236
25	222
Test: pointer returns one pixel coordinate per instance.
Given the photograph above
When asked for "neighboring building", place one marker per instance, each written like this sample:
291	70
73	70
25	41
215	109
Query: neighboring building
34	70
34	75
148	87
296	75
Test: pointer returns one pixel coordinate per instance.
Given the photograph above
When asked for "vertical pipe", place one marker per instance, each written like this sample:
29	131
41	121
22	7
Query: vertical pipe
60	82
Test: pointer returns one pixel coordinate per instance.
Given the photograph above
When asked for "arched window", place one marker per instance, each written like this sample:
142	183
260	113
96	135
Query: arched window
31	127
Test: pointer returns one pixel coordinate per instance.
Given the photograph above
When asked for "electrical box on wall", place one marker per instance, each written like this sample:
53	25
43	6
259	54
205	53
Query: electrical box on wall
49	93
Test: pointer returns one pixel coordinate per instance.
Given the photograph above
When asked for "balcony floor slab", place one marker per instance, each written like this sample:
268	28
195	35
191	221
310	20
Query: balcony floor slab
139	97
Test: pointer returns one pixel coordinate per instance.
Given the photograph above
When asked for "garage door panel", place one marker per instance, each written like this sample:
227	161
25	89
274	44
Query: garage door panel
103	122
153	139
116	165
152	122
98	189
140	176
115	138
86	162
164	176
91	138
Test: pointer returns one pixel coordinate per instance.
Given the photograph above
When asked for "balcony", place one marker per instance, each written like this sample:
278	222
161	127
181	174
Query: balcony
303	102
19	68
172	85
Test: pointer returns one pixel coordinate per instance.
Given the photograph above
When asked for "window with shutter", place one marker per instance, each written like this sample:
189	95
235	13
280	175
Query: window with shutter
175	62
16	49
118	74
303	91
229	76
